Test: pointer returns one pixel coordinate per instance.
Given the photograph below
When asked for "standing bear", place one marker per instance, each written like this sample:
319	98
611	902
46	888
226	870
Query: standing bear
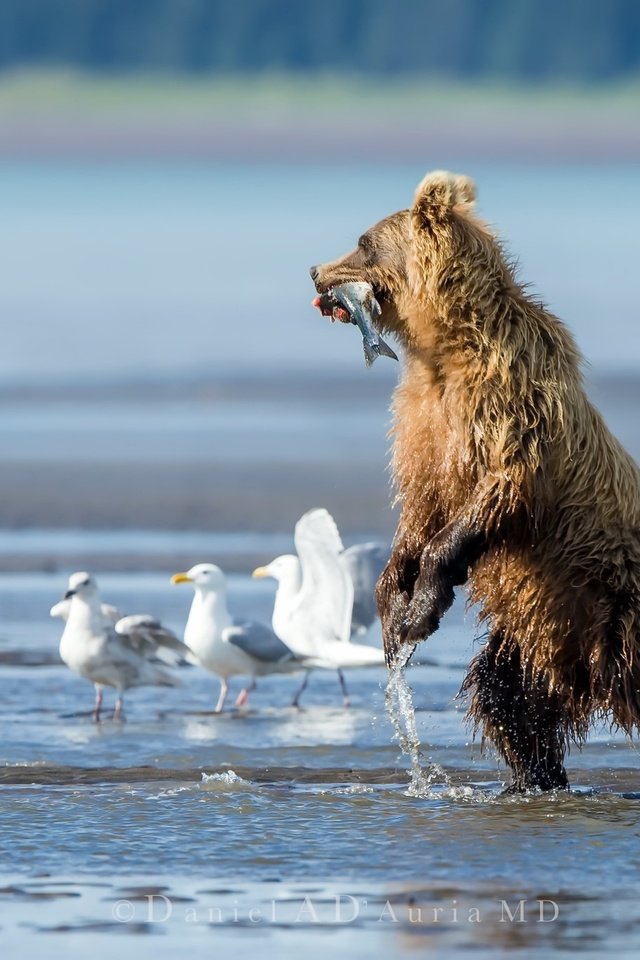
508	480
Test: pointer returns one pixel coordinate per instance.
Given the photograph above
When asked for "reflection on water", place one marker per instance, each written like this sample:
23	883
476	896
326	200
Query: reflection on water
289	728
364	920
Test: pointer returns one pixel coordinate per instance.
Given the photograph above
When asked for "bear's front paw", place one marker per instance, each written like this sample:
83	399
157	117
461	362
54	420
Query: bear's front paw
422	619
432	597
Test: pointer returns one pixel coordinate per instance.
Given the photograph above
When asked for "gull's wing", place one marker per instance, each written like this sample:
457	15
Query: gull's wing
110	614
335	656
259	641
364	563
62	609
149	637
327	589
126	660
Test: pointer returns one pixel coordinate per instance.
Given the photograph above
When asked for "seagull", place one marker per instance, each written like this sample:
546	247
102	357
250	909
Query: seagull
364	562
225	646
123	654
314	604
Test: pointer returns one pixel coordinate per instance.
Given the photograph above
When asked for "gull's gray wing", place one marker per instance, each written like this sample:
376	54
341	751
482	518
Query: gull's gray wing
364	562
149	637
259	641
124	661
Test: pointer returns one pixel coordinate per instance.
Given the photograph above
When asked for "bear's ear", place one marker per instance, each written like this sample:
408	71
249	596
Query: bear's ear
443	189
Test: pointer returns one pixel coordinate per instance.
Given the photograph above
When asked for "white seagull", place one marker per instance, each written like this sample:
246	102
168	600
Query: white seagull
314	604
225	646
119	654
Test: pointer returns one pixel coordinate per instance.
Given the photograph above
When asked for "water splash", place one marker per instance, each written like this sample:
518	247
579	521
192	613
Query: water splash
229	778
398	701
352	790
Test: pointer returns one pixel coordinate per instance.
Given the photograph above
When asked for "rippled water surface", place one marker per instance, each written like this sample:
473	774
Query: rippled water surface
200	829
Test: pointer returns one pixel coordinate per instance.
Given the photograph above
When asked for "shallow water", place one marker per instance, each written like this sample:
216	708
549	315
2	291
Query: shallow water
223	815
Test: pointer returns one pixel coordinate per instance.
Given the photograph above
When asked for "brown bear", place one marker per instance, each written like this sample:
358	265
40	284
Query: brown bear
507	478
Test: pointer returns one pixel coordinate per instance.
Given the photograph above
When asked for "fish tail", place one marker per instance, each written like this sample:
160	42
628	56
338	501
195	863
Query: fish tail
370	352
385	350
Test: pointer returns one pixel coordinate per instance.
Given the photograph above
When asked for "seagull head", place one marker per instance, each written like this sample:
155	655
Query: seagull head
284	568
204	576
80	585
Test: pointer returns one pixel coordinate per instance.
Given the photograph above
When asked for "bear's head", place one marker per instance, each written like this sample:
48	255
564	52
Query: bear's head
402	254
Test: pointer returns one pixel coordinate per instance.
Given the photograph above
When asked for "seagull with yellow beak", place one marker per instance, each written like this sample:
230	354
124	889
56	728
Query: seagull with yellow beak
313	611
225	646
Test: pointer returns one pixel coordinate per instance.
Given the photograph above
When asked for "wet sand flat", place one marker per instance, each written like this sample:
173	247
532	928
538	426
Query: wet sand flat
246	461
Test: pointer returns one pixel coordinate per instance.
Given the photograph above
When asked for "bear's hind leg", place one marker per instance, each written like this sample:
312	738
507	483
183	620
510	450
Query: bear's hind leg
517	713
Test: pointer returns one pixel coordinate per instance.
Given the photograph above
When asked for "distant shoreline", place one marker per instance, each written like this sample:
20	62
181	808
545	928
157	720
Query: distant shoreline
61	115
330	388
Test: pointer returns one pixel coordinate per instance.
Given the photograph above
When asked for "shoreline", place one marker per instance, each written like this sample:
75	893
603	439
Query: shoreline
330	388
252	497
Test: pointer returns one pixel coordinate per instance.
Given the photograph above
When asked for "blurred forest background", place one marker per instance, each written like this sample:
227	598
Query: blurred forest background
569	41
297	80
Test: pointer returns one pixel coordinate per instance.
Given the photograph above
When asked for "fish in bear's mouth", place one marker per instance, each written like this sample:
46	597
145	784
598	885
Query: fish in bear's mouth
329	307
355	302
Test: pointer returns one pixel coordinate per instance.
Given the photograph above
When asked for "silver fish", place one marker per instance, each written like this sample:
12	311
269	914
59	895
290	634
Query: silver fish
358	300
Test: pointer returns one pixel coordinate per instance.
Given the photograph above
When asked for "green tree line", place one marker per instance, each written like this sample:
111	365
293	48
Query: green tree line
524	40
